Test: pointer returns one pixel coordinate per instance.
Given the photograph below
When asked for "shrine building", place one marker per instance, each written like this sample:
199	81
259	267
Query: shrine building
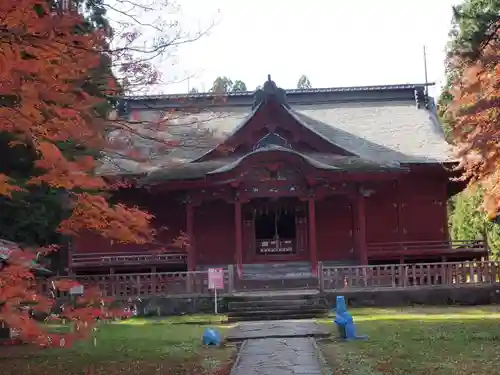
341	176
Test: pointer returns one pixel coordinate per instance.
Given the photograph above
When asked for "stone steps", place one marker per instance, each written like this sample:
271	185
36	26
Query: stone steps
266	316
276	271
281	312
276	307
291	304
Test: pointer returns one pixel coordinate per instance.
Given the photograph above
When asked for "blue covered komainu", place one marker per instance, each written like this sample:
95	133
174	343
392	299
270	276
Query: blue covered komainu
344	321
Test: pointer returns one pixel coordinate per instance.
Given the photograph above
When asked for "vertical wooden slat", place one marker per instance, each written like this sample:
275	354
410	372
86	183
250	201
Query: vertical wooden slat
392	276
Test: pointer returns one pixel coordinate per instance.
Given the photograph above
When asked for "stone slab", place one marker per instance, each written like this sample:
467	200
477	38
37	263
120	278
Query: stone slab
277	329
279	356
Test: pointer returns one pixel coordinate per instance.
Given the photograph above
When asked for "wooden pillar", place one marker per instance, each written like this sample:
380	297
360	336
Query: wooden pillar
191	248
399	208
444	205
313	245
361	230
238	222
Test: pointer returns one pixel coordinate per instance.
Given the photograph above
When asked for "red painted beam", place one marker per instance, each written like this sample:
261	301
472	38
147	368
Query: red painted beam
238	221
361	229
191	247
313	245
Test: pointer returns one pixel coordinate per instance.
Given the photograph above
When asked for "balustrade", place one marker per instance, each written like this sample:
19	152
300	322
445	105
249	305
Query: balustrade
421	247
411	275
352	278
123	258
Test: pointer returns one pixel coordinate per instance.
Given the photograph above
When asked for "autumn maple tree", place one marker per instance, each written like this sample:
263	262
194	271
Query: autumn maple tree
56	90
474	108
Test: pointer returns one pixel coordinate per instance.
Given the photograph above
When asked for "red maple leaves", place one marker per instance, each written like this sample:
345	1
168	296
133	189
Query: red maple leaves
476	119
45	62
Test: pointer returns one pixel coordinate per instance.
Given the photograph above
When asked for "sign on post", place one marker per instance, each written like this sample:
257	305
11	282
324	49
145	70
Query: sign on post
216	278
215	281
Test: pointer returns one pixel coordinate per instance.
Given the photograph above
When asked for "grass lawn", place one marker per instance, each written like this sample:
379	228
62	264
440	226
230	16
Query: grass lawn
423	341
137	346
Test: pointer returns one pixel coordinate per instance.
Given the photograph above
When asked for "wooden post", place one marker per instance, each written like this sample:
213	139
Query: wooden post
154	281
238	222
361	230
230	279
486	244
313	245
191	256
320	277
399	211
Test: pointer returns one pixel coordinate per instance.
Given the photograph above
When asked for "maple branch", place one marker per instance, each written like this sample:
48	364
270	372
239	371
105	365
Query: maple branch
132	17
137	5
495	26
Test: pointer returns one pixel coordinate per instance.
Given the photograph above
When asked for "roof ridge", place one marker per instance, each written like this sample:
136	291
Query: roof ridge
404	86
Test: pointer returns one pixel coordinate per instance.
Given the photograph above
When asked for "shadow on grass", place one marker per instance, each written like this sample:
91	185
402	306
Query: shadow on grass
453	341
135	346
197	319
422	313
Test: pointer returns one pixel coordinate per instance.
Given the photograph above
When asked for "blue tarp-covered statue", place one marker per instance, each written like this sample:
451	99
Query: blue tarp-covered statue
211	337
344	321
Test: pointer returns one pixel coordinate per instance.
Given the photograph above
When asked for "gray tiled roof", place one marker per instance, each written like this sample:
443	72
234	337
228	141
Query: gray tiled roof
395	131
198	170
378	129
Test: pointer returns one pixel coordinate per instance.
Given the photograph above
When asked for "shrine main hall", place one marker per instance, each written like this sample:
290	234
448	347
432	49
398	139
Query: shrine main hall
341	176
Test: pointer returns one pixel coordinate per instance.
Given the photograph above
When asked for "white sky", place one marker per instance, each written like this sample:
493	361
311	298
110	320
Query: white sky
333	42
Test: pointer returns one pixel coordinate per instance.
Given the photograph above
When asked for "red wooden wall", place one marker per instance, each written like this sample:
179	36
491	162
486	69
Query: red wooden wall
411	209
334	228
382	218
423	208
214	232
170	214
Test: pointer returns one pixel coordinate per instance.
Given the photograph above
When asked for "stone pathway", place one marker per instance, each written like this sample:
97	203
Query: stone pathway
277	329
279	356
282	348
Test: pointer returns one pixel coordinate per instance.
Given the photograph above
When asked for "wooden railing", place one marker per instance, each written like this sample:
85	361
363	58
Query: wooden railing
350	278
124	258
423	247
410	275
142	285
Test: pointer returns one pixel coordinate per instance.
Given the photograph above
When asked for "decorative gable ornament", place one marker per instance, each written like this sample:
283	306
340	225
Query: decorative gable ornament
272	139
270	92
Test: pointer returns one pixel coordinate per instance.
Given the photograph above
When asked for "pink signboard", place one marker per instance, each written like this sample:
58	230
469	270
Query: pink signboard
215	278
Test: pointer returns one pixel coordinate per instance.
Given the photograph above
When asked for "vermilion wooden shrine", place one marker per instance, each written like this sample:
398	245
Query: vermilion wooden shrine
343	176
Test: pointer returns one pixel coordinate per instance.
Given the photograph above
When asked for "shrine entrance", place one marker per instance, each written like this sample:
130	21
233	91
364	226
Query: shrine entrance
275	229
